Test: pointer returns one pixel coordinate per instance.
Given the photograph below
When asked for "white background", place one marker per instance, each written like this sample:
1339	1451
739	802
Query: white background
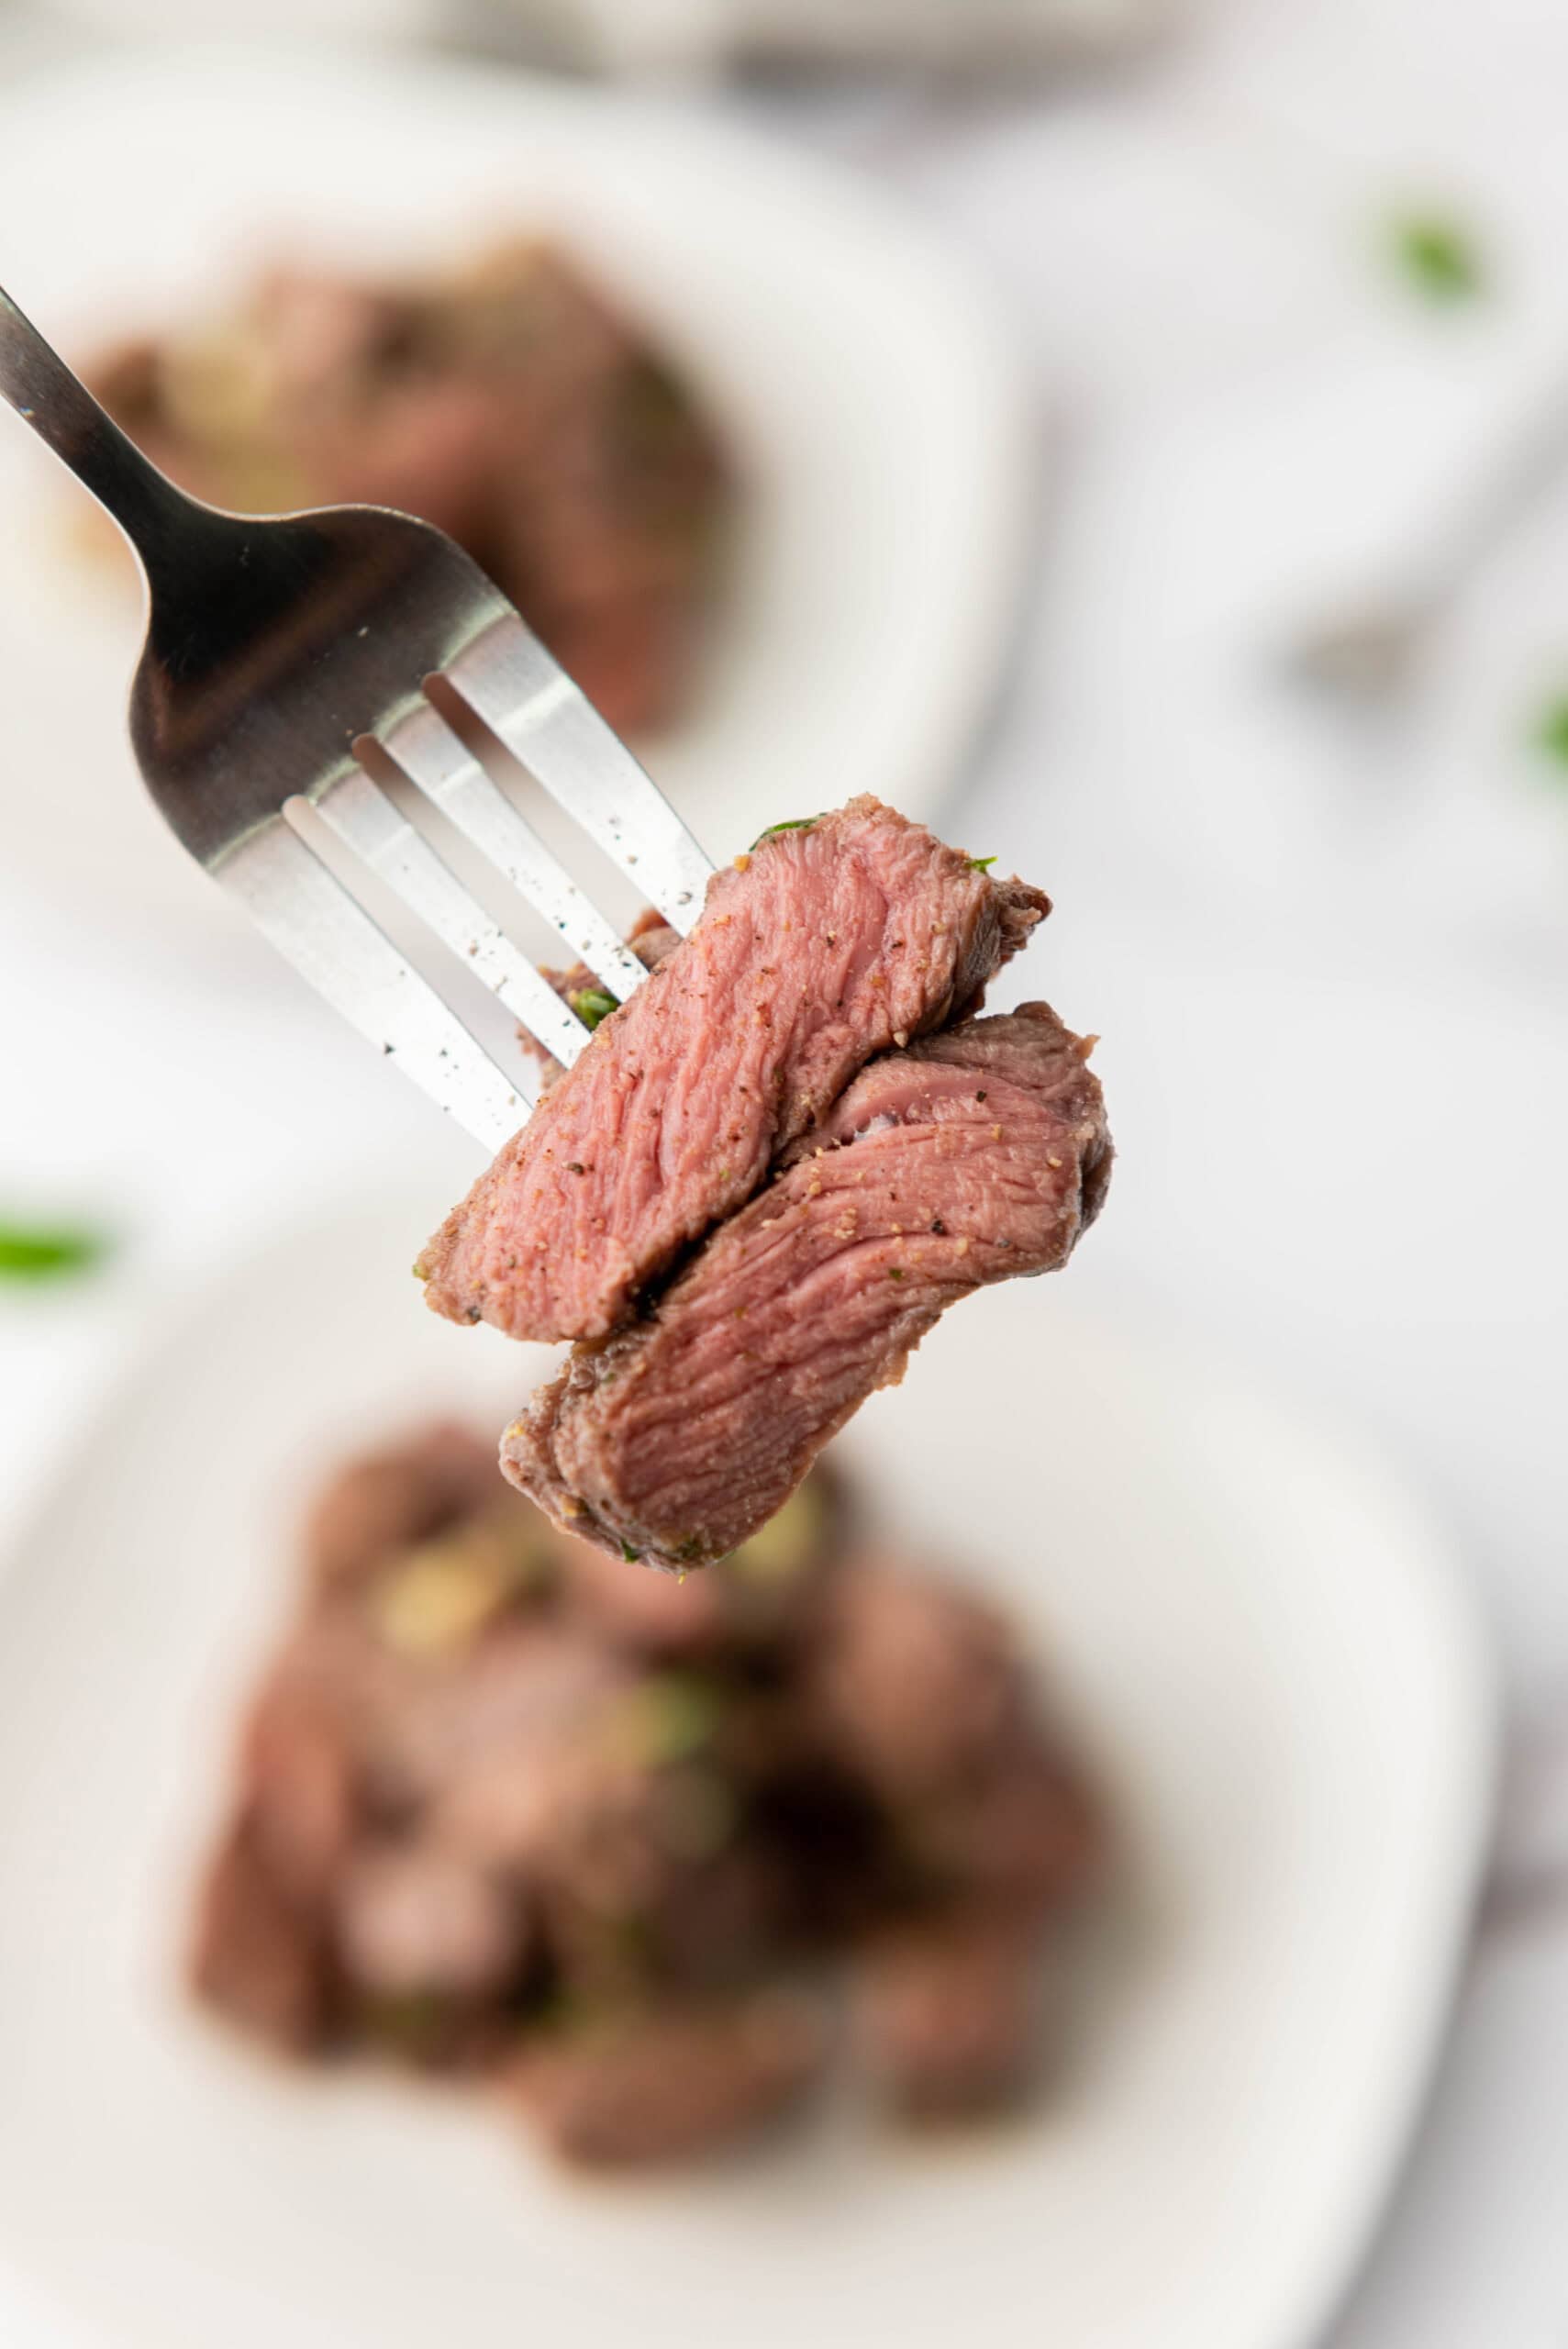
1329	957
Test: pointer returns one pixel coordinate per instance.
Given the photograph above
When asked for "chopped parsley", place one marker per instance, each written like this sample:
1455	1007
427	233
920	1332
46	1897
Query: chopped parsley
629	1554
1438	256
44	1252
979	863
790	824
1551	730
593	1004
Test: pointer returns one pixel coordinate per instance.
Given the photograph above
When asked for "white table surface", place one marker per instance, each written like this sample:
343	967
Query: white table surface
1329	959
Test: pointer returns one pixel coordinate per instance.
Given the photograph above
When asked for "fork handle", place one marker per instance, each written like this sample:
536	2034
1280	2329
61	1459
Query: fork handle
63	412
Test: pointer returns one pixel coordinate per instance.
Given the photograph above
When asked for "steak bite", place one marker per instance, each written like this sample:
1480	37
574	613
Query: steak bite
915	1680
947	2013
979	1154
257	1956
416	1921
390	1498
831	944
672	2083
1018	1832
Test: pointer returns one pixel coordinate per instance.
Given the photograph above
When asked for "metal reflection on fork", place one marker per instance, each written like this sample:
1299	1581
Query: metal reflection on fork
285	662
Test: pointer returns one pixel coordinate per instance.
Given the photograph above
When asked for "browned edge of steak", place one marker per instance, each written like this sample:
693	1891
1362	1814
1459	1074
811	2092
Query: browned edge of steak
977	1156
831	944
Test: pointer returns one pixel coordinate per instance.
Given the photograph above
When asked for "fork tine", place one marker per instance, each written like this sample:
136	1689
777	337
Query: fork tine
333	943
508	679
431	756
366	821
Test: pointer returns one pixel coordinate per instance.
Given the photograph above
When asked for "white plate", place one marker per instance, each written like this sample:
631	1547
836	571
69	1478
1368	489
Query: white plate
1262	1639
868	390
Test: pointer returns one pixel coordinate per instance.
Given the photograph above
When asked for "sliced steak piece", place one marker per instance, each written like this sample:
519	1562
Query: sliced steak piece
913	1682
830	943
297	1765
386	1501
673	2082
977	1155
416	1921
257	1956
1020	1830
948	2013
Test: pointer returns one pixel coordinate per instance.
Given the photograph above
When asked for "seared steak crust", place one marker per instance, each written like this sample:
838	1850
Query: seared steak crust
829	945
977	1155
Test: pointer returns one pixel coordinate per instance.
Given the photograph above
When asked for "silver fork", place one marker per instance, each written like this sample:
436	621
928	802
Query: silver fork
285	660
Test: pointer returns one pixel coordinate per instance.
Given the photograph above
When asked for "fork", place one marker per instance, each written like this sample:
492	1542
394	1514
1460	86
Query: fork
1372	647
286	659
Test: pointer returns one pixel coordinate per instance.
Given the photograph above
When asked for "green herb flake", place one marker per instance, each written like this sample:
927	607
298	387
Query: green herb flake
593	1004
666	1718
790	824
1551	730
629	1554
1438	256
979	863
43	1253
